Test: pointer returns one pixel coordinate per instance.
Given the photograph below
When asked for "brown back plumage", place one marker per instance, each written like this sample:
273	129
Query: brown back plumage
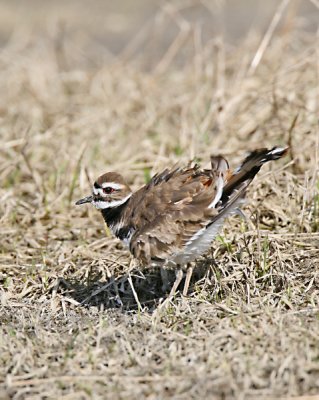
172	208
175	204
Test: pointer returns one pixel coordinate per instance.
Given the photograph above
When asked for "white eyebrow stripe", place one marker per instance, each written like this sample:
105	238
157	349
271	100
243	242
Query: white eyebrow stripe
113	185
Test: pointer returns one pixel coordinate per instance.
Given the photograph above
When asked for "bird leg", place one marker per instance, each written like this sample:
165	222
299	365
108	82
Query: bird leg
179	277
187	280
165	280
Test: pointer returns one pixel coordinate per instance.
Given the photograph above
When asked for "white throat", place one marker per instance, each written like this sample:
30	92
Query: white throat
101	205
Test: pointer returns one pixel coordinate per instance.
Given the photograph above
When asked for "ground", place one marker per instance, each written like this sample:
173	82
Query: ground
72	327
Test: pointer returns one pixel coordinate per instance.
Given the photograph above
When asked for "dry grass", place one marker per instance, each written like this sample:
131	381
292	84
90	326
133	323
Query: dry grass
250	327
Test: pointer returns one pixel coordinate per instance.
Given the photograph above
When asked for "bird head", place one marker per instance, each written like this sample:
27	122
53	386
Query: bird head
109	191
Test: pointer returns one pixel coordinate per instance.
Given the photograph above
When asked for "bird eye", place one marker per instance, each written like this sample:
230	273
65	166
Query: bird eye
108	190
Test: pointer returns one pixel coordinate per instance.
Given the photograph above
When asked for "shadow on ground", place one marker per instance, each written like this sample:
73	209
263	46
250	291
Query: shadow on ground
118	292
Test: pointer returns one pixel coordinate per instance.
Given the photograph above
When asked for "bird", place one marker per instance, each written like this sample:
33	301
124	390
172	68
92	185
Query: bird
172	220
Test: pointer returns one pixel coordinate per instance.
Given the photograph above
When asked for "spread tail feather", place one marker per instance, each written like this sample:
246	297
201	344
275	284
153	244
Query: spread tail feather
234	201
249	168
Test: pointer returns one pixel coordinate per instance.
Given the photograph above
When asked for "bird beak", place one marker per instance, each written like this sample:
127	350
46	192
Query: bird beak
87	199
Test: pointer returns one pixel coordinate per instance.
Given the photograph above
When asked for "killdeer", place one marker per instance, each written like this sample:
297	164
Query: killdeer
173	219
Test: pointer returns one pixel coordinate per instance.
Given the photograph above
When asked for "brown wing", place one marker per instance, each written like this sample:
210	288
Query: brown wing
171	209
177	203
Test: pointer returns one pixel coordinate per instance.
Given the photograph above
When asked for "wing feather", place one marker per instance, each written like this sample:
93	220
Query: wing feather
172	208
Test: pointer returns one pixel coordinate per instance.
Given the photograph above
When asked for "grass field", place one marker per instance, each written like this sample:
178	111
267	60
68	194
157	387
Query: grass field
70	111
